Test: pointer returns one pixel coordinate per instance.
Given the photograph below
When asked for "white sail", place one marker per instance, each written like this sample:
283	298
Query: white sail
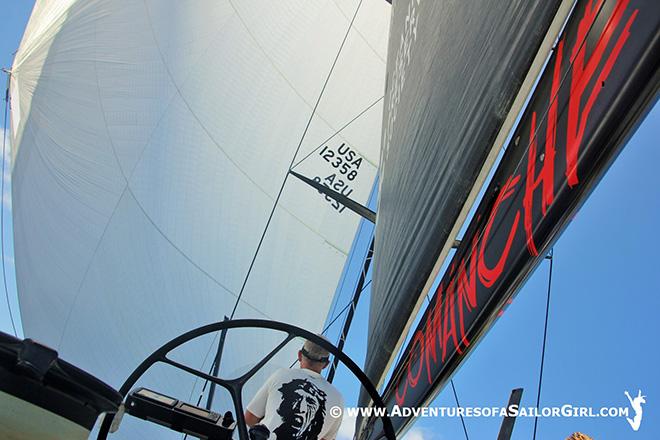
153	138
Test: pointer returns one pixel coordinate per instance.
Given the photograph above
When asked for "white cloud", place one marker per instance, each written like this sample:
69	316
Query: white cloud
2	132
416	434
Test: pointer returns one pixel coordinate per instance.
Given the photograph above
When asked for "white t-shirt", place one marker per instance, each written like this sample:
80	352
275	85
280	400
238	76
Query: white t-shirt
295	404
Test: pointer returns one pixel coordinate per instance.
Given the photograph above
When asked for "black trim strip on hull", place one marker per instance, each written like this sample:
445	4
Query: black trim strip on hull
601	80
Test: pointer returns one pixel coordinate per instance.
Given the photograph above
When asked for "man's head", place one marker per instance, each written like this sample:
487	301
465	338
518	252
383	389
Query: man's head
578	436
313	357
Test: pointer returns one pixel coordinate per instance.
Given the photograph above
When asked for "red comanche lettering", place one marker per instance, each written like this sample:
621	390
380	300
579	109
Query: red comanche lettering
582	75
488	276
440	326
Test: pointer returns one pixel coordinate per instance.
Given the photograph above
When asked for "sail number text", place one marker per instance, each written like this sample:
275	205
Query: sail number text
347	163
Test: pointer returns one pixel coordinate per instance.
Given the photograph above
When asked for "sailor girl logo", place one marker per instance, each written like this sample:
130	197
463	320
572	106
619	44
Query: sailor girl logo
636	404
302	411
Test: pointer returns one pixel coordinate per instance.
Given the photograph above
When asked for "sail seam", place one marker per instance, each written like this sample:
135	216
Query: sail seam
190	260
274	66
238	300
193	113
309	121
89	265
339	131
100	241
357	31
119	199
121	195
229	158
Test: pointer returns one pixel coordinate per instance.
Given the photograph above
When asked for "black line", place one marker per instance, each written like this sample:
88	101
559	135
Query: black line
327	327
357	293
346	307
338	131
451	381
293	159
342	284
286	176
545	336
458	404
2	208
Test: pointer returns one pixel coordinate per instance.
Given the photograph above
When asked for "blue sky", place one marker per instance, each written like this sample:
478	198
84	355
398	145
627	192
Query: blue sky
603	325
15	15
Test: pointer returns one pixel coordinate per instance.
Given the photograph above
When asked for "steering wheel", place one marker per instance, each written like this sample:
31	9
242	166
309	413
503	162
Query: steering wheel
235	386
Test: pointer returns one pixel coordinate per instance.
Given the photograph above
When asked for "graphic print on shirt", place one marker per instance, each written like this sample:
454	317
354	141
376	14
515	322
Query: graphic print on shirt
302	411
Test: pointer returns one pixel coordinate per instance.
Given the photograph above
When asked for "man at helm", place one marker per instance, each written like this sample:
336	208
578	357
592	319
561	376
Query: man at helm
295	403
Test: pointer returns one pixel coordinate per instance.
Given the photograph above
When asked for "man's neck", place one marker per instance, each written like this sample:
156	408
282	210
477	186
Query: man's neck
305	367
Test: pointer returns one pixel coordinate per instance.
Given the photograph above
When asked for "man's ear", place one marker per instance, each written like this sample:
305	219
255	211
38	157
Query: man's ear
300	356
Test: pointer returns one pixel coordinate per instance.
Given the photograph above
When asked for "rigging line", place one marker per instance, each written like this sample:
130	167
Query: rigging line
2	207
352	255
353	252
346	307
451	381
327	327
208	352
338	131
324	330
453	388
360	274
545	335
206	382
343	277
343	310
286	176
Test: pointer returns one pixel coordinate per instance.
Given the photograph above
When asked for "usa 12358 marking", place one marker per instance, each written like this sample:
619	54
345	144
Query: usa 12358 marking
347	163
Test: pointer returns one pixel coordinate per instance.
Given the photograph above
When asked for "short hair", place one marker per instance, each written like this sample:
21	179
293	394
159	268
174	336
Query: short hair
315	352
578	436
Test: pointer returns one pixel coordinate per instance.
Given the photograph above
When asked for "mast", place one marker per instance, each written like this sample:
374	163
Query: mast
216	364
351	310
506	429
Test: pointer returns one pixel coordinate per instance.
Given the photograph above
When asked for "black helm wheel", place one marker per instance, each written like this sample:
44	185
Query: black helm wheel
235	386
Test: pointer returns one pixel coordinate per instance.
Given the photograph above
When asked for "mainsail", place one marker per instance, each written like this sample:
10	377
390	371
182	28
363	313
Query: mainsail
454	70
153	140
